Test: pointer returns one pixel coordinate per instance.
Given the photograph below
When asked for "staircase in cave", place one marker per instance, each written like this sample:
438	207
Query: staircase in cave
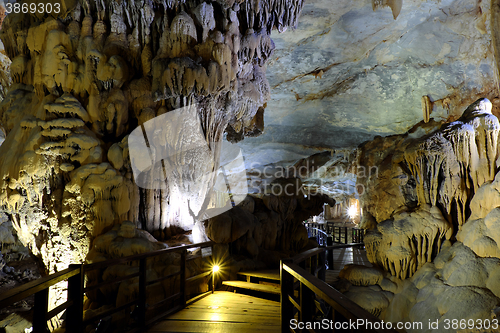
265	282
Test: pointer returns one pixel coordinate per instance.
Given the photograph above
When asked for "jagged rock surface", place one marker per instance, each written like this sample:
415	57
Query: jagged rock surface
440	249
481	231
405	243
82	80
349	73
457	284
435	175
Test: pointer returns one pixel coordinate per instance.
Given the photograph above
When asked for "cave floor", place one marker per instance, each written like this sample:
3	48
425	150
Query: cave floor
224	312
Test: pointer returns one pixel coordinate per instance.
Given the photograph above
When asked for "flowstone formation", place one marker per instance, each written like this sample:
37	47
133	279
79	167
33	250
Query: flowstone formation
85	78
431	218
426	182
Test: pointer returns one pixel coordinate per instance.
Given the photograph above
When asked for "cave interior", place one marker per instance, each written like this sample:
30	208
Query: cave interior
134	126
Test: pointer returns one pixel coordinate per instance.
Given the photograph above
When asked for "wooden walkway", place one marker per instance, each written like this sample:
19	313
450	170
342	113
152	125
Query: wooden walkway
229	312
224	312
342	257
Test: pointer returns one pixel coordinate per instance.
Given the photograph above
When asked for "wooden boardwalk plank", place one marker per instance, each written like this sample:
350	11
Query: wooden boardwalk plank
227	312
254	286
224	312
209	327
270	274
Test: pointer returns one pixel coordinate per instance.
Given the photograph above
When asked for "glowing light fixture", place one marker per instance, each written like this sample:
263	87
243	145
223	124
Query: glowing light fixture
352	211
215	269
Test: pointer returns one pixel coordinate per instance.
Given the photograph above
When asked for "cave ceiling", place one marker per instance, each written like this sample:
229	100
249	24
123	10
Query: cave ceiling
351	71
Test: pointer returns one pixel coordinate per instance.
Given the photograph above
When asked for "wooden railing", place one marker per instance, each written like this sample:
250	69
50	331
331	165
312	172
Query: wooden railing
306	299
77	288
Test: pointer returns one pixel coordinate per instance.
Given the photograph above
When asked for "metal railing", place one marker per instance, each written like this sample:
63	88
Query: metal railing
340	234
320	235
144	313
306	298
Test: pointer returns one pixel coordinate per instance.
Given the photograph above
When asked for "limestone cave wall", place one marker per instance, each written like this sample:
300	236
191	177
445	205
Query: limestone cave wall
426	179
85	78
431	220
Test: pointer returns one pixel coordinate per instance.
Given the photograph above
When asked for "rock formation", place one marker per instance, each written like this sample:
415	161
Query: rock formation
85	78
422	197
431	223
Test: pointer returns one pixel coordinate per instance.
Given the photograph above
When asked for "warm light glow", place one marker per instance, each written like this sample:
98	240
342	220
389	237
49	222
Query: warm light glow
352	211
215	269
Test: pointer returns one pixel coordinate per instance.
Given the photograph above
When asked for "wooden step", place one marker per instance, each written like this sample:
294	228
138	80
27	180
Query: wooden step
269	274
266	288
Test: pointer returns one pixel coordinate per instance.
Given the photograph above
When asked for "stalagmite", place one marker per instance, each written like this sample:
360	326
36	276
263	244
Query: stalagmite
448	166
407	242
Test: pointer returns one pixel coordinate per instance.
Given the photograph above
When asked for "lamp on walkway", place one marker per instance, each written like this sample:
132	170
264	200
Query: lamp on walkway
215	269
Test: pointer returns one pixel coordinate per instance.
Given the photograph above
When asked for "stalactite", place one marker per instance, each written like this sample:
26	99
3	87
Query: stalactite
459	151
409	241
84	89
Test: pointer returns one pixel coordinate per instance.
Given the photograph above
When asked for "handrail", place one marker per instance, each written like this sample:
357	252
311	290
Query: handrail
339	233
145	255
76	289
311	285
19	293
306	255
338	302
321	236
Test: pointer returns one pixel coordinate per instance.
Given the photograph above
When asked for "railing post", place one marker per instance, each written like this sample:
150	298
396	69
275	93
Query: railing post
314	264
74	314
286	281
345	235
40	311
306	304
329	242
142	292
322	263
183	277
303	264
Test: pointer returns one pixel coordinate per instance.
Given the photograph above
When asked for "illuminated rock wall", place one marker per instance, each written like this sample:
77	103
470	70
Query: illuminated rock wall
85	78
432	218
425	184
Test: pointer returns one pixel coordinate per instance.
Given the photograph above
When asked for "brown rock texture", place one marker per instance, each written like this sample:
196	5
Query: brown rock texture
83	79
426	179
432	224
